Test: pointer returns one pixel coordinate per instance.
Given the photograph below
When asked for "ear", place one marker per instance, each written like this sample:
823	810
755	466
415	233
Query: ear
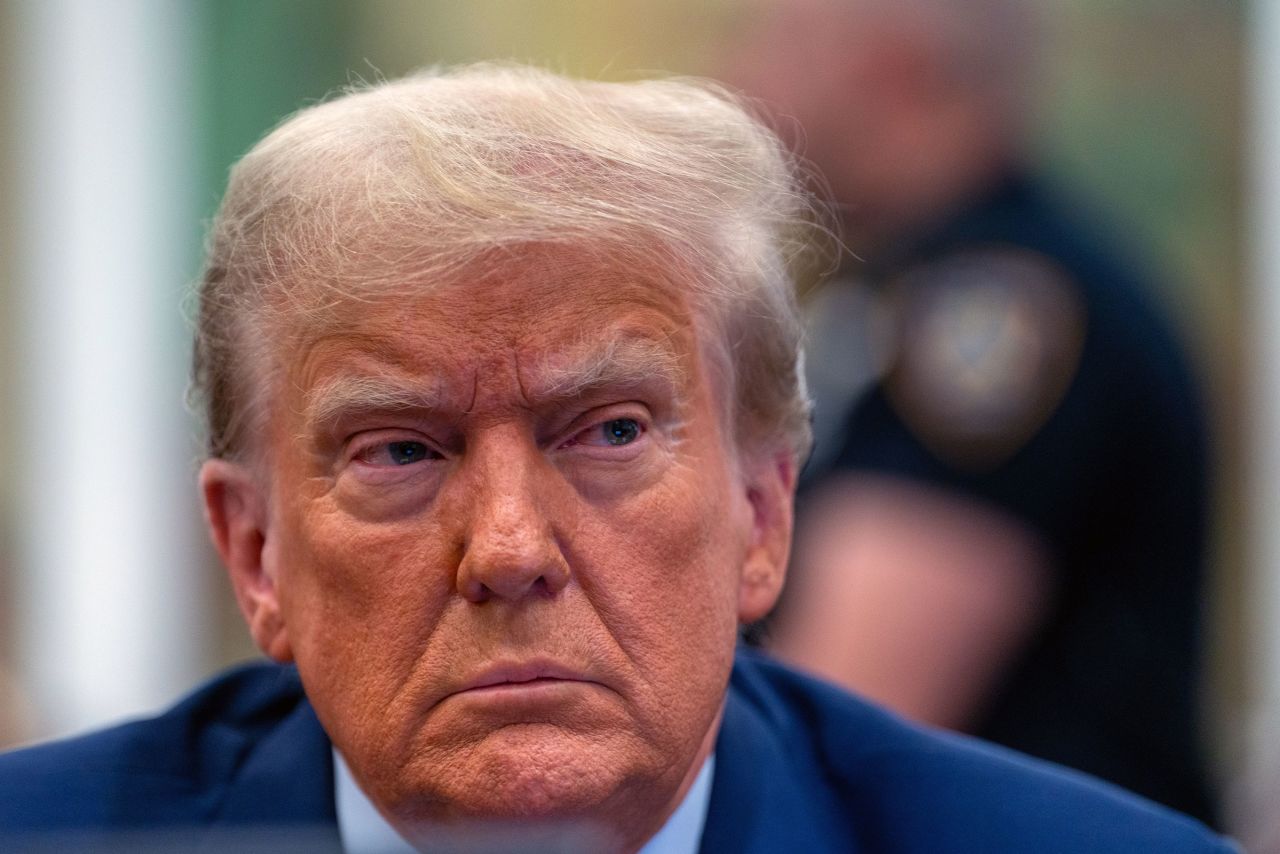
236	512
771	485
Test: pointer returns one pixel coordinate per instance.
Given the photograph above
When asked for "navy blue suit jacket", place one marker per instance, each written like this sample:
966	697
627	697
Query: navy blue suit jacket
243	764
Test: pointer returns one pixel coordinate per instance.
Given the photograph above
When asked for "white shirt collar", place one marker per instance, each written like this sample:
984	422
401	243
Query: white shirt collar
363	830
682	834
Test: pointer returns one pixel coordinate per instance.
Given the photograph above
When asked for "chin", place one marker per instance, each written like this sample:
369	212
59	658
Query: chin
525	773
519	798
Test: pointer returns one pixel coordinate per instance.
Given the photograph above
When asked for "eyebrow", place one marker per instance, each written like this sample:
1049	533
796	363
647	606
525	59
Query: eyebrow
623	362
345	395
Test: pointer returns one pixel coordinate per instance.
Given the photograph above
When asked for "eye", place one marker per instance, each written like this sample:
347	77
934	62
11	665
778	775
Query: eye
599	438
401	453
620	431
615	432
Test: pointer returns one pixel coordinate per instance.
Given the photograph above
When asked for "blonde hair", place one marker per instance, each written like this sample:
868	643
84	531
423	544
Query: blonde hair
422	178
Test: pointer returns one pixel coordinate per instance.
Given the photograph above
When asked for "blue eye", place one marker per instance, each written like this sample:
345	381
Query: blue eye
621	431
405	453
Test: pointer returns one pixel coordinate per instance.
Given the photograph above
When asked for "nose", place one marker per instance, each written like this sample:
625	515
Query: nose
510	548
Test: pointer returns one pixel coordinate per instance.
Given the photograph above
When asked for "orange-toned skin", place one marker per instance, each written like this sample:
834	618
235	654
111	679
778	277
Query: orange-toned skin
523	544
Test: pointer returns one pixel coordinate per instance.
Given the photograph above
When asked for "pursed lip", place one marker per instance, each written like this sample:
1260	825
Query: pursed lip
521	673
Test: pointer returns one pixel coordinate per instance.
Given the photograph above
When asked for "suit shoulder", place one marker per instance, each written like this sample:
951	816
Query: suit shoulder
147	766
909	788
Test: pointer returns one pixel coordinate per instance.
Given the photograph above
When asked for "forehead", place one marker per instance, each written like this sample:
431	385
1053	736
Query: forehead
536	312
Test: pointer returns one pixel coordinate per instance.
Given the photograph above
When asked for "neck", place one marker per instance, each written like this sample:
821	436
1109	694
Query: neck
648	829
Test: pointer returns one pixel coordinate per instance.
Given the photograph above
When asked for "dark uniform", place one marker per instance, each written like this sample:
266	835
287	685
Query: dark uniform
1027	371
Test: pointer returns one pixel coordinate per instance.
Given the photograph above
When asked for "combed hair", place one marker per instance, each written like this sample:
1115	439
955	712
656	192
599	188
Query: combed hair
426	178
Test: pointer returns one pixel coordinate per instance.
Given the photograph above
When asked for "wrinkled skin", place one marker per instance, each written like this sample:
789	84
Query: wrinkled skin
603	536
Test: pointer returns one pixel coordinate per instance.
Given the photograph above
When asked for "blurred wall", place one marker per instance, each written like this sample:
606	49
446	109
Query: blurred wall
12	721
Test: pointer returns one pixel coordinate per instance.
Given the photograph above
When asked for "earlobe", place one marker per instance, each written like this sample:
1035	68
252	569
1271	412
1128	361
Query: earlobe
770	493
235	511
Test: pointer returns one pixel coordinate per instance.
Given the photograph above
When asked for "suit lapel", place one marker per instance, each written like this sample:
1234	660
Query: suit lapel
282	796
735	790
770	793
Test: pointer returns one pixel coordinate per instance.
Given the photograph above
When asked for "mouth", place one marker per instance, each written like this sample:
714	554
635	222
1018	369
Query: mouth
531	674
531	691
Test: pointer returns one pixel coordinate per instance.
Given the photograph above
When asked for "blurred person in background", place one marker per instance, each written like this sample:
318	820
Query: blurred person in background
1003	526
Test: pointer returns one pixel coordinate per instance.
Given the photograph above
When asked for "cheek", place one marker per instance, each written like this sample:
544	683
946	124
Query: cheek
668	564
359	600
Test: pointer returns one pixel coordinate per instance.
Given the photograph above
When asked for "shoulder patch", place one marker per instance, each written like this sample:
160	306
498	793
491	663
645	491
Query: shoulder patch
988	340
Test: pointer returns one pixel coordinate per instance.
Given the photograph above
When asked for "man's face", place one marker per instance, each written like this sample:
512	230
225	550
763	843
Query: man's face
508	544
833	73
